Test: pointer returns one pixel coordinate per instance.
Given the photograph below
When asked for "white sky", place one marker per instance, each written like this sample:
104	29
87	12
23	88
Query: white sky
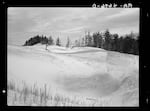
25	22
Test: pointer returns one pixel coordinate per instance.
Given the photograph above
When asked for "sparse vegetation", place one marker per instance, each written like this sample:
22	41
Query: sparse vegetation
44	96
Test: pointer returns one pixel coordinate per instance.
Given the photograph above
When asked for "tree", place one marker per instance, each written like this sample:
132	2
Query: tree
85	39
58	42
38	39
88	40
115	42
50	41
97	40
83	42
107	44
77	43
44	40
120	44
68	42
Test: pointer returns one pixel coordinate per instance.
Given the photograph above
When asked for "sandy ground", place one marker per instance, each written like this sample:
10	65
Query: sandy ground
86	71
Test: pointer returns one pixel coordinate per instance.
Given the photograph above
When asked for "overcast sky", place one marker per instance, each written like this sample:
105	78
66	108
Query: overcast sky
24	23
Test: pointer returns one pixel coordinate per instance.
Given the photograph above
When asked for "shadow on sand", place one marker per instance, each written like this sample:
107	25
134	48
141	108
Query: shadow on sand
98	84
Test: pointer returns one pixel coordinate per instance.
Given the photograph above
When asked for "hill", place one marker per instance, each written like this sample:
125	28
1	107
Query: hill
108	77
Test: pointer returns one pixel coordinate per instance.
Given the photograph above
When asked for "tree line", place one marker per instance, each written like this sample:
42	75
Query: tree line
128	43
42	39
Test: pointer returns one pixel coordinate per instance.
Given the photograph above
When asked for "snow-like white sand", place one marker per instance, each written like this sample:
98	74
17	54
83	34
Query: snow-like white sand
86	71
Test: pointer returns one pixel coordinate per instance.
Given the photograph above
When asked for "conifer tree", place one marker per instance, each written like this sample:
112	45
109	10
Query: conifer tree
58	42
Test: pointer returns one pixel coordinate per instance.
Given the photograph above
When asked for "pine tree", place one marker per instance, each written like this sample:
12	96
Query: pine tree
97	40
115	42
107	44
58	42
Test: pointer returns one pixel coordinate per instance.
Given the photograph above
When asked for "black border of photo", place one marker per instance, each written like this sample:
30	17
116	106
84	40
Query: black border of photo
144	92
